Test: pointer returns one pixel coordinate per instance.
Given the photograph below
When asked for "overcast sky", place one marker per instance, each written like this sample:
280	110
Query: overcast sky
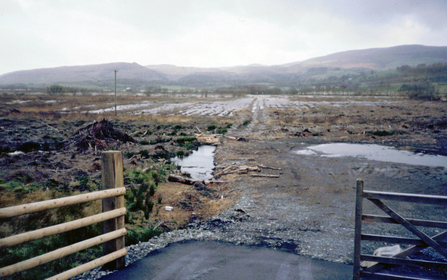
208	33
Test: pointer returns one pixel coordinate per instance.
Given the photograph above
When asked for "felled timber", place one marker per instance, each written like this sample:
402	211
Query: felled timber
214	139
183	180
264	176
208	138
207	182
267	167
249	168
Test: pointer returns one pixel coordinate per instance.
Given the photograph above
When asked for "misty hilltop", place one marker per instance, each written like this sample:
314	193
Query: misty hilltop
337	64
86	73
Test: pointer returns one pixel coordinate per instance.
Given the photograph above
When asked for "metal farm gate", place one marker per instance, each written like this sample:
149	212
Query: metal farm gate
376	263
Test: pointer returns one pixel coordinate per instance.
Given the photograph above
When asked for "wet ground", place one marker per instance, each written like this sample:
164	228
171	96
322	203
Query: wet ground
290	199
374	152
218	260
311	205
199	164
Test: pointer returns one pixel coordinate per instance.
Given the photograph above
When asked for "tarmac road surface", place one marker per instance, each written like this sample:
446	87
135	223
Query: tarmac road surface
219	260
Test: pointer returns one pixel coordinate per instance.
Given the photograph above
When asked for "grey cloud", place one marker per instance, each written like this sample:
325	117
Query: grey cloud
307	28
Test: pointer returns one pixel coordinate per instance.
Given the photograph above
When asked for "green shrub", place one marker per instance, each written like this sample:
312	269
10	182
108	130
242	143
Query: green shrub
180	153
224	129
182	142
139	196
162	154
381	133
221	131
144	153
211	128
149	205
142	234
129	154
11	184
84	183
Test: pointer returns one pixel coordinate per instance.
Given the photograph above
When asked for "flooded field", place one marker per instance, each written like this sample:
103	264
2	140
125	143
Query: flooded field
191	105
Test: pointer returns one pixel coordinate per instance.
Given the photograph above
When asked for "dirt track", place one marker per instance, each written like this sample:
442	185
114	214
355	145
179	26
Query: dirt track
310	206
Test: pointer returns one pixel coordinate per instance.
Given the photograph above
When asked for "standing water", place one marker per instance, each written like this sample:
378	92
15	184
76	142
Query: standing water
374	152
199	164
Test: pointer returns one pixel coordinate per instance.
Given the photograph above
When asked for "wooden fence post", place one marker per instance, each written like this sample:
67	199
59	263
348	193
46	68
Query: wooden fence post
358	229
112	177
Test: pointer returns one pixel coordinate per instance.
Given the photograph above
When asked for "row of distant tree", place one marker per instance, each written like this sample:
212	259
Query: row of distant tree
432	70
60	90
420	91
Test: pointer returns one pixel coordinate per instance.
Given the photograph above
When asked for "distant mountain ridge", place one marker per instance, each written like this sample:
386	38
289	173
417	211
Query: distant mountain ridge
377	59
380	59
86	73
174	72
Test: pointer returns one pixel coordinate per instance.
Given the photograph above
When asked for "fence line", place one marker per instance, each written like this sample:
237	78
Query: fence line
90	265
61	228
112	218
29	208
60	253
424	241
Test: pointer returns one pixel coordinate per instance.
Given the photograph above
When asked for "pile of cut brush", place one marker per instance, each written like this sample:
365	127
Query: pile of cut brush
97	136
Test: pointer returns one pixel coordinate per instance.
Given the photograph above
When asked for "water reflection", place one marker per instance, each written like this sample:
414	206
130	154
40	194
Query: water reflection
199	164
374	152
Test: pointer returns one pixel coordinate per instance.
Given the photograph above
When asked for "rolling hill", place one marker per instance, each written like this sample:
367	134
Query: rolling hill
174	72
378	59
337	64
87	73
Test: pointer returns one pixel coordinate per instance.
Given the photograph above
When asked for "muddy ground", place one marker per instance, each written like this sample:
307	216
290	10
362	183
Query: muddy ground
308	203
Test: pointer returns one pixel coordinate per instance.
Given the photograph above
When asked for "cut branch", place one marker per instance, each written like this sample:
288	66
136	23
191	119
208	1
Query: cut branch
264	176
183	180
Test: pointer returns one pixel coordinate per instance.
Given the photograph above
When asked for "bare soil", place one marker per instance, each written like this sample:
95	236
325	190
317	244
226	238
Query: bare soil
309	202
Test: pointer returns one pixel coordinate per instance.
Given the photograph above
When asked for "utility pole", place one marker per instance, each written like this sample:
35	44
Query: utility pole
115	90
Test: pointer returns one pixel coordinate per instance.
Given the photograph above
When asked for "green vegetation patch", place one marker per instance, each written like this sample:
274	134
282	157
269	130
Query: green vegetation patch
11	184
224	129
135	235
11	255
180	153
381	133
211	127
186	142
424	91
141	198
